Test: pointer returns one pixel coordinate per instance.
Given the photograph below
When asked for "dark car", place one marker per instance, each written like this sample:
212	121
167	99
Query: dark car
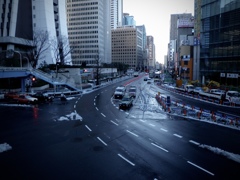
42	97
126	102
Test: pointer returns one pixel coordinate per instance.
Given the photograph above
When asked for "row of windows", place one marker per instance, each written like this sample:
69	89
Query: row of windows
123	32
83	32
125	50
84	9
85	51
83	18
83	27
83	23
85	46
82	42
83	37
121	46
85	4
83	13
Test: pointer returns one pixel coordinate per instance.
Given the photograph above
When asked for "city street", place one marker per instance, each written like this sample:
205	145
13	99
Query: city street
88	137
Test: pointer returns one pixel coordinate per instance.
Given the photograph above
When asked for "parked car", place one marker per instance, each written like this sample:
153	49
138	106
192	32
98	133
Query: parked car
10	95
42	97
126	102
26	99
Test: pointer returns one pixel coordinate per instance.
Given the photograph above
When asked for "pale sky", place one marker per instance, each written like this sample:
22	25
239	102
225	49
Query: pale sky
155	15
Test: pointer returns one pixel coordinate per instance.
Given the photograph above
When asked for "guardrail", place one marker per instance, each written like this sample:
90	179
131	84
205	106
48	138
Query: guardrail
192	112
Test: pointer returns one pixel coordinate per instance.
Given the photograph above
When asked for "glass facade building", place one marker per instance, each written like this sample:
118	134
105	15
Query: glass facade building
220	41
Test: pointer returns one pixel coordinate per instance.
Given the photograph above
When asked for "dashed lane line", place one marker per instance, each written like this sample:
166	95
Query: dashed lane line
201	168
126	160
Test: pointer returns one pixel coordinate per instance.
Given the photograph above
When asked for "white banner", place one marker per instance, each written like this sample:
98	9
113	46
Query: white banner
230	75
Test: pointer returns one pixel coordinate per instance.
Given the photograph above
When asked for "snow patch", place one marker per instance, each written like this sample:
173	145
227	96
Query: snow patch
5	147
71	116
229	155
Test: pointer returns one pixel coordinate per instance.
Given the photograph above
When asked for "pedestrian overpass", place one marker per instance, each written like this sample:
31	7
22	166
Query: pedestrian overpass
25	74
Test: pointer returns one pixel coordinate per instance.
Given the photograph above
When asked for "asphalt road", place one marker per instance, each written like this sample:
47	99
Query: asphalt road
90	138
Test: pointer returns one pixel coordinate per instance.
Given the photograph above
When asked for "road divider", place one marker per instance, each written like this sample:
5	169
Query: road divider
193	112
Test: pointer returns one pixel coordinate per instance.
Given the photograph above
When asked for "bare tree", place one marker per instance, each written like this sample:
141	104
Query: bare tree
62	50
38	45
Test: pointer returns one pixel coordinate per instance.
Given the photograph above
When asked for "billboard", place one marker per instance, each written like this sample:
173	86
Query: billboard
185	23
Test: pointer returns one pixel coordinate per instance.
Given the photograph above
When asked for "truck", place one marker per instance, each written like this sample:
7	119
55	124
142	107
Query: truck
213	94
233	97
135	74
185	88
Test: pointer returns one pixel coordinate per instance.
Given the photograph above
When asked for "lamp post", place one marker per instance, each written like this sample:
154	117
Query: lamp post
20	57
27	60
10	54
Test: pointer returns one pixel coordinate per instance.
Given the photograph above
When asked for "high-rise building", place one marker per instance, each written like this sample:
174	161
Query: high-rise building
178	28
21	19
116	13
220	42
151	52
128	20
127	46
89	31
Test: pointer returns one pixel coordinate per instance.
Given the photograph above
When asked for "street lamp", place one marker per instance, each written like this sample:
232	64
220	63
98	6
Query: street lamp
10	54
20	57
27	60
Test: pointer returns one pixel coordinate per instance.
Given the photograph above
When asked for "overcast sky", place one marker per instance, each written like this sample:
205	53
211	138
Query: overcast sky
155	15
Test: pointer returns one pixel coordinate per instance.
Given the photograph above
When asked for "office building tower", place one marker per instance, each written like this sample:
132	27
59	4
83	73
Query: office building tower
89	31
220	42
116	13
22	19
151	52
127	46
128	20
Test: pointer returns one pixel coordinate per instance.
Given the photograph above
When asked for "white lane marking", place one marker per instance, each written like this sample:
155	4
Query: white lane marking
126	160
132	133
103	115
74	107
164	130
152	125
177	135
114	122
88	128
94	104
159	147
201	168
194	142
97	109
102	141
142	120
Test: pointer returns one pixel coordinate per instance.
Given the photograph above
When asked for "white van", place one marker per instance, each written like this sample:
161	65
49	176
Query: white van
189	88
119	92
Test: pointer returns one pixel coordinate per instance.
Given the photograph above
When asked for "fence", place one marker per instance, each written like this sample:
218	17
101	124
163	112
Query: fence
188	111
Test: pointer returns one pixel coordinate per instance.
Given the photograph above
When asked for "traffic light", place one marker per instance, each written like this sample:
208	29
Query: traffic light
33	79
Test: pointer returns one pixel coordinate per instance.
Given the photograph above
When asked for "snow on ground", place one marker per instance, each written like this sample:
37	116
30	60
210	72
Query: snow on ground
229	155
5	147
69	117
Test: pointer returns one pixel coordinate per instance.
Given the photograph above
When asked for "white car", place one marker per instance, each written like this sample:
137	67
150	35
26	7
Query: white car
197	90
